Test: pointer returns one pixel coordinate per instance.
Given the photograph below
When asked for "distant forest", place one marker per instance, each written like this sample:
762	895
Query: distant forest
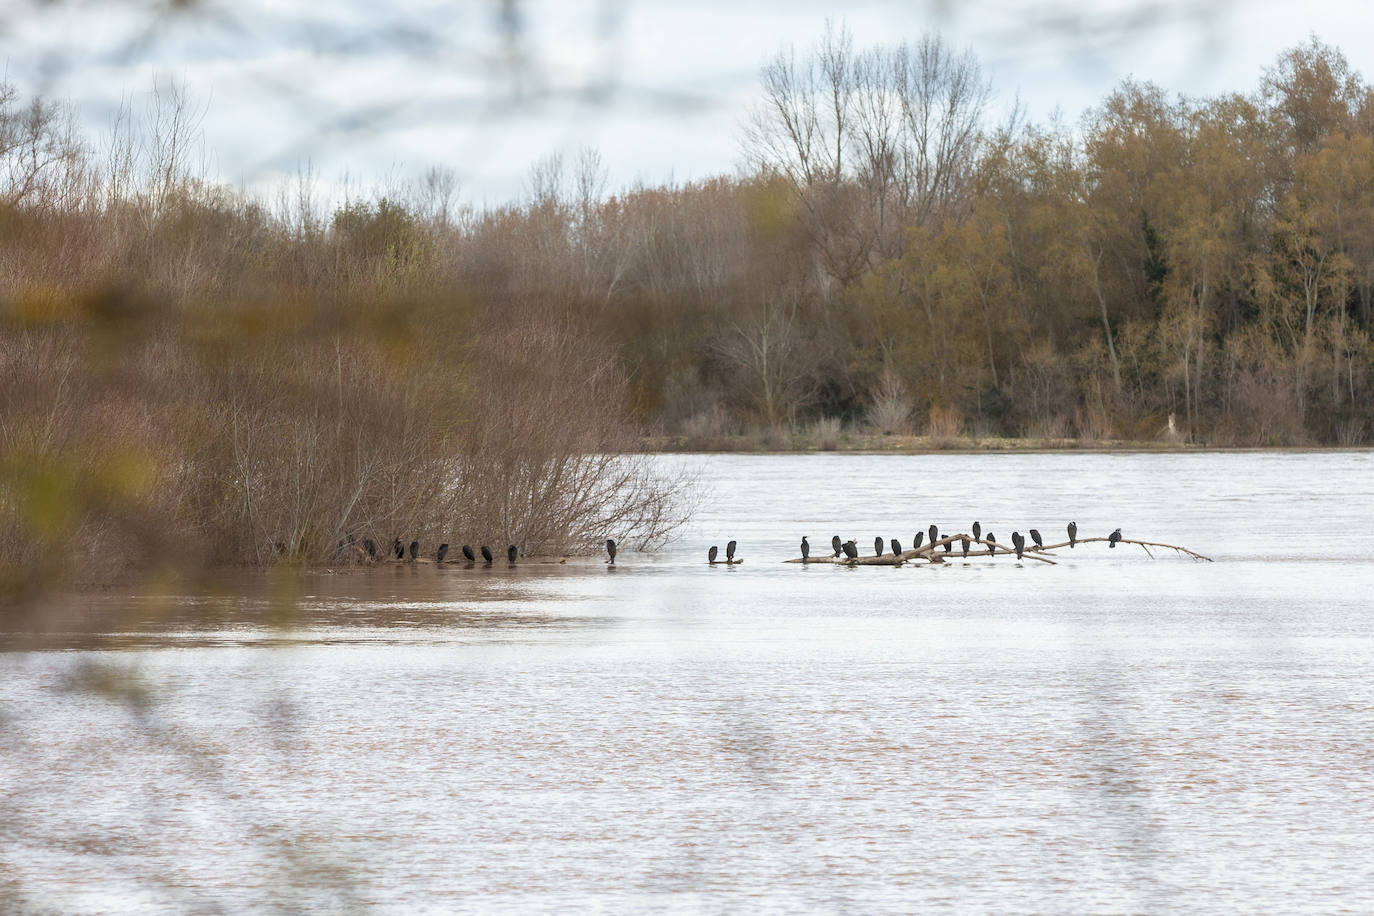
261	377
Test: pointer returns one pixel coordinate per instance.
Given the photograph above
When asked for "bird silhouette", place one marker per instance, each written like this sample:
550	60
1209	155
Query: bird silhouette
730	552
878	546
918	540
896	547
371	547
400	549
414	549
1035	536
992	544
934	535
1019	542
963	542
468	554
711	554
806	549
610	549
835	544
486	554
851	550
977	531
511	554
443	552
1113	538
1073	533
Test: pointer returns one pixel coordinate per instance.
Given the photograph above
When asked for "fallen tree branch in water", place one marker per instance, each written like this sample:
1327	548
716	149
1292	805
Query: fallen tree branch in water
930	553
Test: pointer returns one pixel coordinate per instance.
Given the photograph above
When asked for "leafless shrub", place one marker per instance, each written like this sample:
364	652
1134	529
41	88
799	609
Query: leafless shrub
944	425
1093	423
889	408
1350	432
1052	427
825	433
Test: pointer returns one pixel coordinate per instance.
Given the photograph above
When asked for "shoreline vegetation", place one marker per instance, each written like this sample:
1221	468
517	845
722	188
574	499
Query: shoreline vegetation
192	375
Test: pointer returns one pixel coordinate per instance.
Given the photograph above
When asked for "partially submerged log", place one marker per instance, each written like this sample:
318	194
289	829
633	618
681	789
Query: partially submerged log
1144	545
934	552
735	562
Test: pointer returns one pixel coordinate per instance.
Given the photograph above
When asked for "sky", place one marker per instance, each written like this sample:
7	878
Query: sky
365	93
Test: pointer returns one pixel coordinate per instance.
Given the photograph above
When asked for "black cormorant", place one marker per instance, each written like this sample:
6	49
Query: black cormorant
977	531
878	546
371	547
610	549
1073	533
1035	536
400	549
851	550
934	535
414	549
806	549
918	540
1113	538
730	552
835	544
468	554
443	552
964	544
711	554
511	554
992	544
896	547
486	554
949	546
1018	542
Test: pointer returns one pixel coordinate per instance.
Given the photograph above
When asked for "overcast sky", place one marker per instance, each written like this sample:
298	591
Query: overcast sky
368	89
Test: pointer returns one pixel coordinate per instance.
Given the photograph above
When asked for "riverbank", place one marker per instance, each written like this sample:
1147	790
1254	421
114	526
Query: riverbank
782	441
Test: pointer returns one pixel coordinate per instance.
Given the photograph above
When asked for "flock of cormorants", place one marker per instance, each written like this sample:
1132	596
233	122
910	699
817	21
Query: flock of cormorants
1018	542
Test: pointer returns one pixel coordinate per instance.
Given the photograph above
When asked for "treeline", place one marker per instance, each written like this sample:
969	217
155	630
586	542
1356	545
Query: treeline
1200	268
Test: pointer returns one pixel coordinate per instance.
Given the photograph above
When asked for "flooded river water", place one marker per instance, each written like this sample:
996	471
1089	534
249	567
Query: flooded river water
1114	734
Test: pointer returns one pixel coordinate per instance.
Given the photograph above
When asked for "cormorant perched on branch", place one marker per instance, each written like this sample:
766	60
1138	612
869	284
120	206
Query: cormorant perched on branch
486	554
1113	538
964	544
1035	536
511	554
711	554
835	544
414	549
730	552
1019	542
949	546
610	549
443	552
896	547
806	549
992	544
851	549
1073	533
371	547
934	535
400	549
468	554
878	546
918	541
977	531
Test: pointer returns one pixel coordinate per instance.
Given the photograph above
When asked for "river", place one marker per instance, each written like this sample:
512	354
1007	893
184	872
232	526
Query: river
1115	733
